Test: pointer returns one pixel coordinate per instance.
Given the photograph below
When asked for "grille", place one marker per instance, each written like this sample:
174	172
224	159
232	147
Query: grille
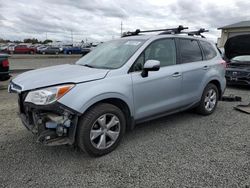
237	73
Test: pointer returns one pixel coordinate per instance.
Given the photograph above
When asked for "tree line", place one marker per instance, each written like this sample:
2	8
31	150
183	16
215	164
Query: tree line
28	40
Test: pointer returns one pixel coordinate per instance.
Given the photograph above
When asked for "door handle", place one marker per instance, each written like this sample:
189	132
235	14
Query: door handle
205	67
176	74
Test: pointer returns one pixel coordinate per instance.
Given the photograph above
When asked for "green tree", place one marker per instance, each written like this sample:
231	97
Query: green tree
33	41
47	41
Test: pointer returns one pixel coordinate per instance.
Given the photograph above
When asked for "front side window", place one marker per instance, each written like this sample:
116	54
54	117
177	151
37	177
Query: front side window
190	51
163	50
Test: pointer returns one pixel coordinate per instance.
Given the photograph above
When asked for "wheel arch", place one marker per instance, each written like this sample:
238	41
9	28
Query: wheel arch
121	104
218	85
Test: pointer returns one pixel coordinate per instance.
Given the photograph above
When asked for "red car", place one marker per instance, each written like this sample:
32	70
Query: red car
24	49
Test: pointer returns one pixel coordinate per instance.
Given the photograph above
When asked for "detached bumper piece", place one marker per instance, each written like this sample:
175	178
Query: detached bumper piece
52	124
231	98
243	108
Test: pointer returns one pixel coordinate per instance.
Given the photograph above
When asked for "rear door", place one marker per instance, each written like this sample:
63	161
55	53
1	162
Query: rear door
193	68
161	90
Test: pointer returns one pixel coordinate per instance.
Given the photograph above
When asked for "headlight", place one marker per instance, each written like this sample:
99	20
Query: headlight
48	95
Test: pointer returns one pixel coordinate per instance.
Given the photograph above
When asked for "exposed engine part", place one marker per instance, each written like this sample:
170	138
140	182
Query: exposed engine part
46	135
59	123
60	130
51	125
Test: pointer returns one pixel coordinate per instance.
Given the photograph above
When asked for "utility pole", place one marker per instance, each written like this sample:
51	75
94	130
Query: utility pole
72	36
121	28
46	36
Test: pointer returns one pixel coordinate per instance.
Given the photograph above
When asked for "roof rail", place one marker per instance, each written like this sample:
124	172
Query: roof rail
165	31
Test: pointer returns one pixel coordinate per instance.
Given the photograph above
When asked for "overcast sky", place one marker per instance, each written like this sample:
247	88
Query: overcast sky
101	19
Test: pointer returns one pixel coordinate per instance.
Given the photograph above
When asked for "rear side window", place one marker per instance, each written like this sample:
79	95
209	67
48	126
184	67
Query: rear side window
208	50
190	51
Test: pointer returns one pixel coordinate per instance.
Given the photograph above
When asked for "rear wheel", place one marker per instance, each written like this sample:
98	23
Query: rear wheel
209	100
101	129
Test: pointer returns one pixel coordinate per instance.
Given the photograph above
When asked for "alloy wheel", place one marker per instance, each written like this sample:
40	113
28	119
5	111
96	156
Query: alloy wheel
105	131
210	100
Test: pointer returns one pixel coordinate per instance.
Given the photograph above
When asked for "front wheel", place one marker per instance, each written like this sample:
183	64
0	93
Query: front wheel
209	100
101	129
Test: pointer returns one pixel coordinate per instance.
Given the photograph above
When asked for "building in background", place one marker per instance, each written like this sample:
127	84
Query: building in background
232	30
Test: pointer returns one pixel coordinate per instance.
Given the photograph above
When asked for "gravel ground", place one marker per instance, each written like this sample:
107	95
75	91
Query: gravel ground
181	150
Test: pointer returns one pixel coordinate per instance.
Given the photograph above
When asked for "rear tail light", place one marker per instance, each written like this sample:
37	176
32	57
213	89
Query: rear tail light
5	63
224	63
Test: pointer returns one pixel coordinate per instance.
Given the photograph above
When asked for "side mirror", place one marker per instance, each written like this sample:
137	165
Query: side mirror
150	65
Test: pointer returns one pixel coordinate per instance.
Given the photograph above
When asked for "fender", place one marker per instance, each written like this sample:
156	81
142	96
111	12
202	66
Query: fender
104	96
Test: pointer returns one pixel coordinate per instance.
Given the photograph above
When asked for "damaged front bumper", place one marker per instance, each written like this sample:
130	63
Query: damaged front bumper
53	124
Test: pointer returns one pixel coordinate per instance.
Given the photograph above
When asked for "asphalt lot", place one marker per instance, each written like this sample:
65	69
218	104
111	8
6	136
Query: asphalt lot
181	150
18	62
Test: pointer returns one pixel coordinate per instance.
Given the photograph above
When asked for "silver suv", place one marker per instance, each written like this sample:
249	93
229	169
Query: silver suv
122	82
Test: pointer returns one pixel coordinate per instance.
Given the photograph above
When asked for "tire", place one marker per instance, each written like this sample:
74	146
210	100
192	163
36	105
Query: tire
89	124
43	53
69	52
57	53
208	103
31	52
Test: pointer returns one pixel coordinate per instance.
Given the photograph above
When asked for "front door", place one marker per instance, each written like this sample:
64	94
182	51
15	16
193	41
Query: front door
160	91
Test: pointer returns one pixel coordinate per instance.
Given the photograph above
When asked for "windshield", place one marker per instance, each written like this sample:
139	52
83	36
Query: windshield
112	54
242	58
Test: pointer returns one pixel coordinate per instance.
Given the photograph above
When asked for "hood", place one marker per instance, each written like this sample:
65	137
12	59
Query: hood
58	75
236	46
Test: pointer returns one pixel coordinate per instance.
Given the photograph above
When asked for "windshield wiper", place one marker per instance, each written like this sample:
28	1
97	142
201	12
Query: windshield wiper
87	65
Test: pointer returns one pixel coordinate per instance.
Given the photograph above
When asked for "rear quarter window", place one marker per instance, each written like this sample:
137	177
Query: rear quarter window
190	51
208	50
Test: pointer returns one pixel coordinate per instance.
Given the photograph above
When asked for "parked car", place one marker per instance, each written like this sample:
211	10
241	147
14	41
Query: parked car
3	48
24	49
118	84
40	48
50	50
4	67
72	50
237	53
86	50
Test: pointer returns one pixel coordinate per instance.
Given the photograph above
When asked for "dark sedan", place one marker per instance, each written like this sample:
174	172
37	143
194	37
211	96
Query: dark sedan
4	67
237	53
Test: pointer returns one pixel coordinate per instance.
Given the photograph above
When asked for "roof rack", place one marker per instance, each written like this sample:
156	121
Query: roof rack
165	31
197	33
177	30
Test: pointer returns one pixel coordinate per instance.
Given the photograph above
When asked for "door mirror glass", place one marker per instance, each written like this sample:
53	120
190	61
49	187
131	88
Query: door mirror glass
150	65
